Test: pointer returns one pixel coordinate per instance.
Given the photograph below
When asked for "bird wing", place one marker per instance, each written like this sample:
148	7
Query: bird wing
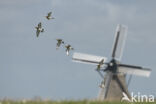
66	46
62	42
40	25
58	43
59	39
101	62
49	14
37	32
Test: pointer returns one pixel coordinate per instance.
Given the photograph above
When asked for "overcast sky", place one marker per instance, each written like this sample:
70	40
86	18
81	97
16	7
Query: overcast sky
31	66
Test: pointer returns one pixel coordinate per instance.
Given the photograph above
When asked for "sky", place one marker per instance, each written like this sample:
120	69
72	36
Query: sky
31	66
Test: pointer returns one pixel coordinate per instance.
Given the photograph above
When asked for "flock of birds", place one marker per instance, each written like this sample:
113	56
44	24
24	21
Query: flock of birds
40	29
68	47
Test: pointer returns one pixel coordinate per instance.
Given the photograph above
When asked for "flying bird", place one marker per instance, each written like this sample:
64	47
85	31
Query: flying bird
49	16
99	65
39	29
102	85
68	48
40	25
59	42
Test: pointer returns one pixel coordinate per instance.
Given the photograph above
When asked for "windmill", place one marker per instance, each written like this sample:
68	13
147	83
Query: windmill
114	81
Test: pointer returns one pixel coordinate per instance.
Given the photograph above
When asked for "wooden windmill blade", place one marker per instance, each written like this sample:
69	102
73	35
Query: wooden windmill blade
87	58
108	79
134	70
119	42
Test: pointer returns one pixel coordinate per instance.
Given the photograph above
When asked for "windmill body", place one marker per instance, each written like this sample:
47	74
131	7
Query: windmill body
113	73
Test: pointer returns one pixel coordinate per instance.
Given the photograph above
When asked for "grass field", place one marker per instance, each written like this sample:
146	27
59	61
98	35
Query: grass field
68	102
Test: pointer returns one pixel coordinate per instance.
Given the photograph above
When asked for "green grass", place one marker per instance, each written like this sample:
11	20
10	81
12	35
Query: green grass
66	102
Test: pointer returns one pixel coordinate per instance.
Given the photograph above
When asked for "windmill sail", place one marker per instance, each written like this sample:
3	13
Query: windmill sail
107	83
135	70
114	83
120	37
86	58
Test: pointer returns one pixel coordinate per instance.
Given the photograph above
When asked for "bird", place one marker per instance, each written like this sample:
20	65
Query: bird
39	29
68	48
39	25
102	85
99	65
59	42
49	16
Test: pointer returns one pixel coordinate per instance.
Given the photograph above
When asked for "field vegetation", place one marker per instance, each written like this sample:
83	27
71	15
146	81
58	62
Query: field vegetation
67	102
